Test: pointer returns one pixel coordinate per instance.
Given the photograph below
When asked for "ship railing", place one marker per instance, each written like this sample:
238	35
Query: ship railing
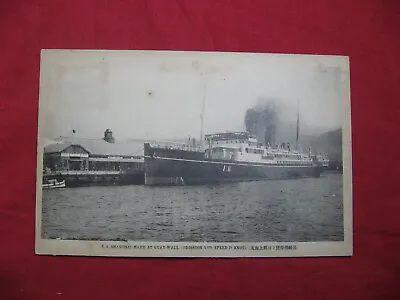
176	146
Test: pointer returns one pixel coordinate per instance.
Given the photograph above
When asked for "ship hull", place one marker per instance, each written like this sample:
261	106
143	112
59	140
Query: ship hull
175	168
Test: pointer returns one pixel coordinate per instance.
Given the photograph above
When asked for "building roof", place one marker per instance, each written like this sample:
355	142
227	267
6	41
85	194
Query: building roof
57	147
99	147
46	141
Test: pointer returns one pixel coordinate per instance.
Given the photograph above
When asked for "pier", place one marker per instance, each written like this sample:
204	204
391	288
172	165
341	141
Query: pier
88	178
82	162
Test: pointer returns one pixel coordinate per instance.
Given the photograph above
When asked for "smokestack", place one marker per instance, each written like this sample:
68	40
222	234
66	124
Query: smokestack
270	134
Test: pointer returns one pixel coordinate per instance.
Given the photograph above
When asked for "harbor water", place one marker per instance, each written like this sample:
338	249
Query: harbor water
299	210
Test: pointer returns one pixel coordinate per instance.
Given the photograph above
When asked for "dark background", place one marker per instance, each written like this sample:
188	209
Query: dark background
367	31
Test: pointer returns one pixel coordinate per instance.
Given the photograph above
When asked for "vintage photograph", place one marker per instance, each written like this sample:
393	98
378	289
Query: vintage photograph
193	154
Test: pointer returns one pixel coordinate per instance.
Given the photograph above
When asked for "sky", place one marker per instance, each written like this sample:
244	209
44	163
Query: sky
160	95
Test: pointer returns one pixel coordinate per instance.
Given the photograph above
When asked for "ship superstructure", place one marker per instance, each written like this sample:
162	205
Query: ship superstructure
244	147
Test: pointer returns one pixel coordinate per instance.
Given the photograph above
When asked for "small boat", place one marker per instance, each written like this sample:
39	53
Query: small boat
324	160
53	184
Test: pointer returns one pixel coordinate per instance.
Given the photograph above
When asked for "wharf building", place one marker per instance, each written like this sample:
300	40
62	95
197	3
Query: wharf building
81	161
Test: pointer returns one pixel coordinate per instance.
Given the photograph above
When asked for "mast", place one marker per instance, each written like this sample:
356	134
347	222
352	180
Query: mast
298	125
202	115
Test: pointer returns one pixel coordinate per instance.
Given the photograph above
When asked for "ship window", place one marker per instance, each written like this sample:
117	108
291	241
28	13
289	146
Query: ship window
247	150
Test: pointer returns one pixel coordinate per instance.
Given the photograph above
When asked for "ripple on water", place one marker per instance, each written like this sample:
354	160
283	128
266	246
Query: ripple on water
287	210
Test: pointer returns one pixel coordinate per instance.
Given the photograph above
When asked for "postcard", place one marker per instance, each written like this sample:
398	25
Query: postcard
193	154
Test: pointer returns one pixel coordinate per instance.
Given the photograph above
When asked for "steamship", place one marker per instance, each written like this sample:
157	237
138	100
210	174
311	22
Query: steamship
226	157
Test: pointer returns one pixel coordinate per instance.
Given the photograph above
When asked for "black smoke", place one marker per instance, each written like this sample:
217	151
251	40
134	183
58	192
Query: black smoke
262	120
274	123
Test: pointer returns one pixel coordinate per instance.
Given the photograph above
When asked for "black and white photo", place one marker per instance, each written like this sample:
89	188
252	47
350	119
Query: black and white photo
193	154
